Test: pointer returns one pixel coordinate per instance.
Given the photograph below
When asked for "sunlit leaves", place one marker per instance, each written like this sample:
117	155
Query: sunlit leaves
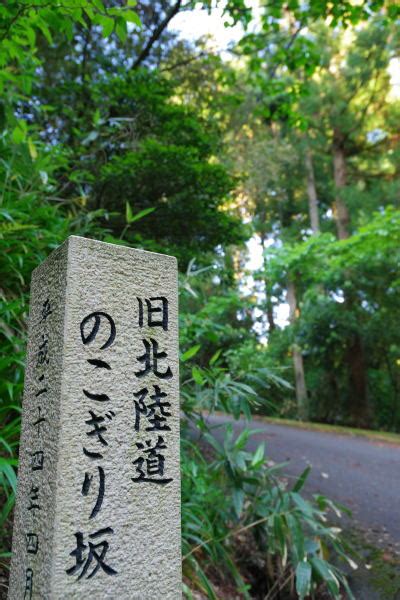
20	131
22	21
284	44
190	353
107	24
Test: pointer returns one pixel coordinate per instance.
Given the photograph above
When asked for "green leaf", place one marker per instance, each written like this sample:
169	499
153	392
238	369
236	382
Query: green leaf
7	471
132	17
128	213
301	480
19	132
18	136
187	592
8	461
326	574
242	439
238	500
214	443
121	29
107	25
45	30
96	117
131	218
190	353
304	506
32	149
259	456
208	586
99	5
303	579
197	376
296	534
279	532
31	35
215	357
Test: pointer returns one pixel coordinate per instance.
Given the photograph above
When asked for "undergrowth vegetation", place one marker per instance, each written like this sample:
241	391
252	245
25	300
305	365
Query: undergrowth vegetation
243	523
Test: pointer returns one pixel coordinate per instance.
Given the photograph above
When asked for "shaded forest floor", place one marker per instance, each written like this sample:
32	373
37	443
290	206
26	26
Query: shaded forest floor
378	573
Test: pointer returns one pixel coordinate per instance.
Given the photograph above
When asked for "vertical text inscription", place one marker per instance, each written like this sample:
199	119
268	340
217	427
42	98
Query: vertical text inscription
37	424
151	405
91	547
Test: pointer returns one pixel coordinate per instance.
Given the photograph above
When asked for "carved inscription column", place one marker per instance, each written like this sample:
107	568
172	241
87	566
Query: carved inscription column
98	507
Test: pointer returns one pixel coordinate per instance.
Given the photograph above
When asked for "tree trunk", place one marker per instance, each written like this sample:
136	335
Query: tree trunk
355	358
300	382
270	313
340	209
359	412
268	292
312	193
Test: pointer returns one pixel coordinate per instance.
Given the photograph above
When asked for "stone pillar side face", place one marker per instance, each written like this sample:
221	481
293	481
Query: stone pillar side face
38	457
118	490
108	525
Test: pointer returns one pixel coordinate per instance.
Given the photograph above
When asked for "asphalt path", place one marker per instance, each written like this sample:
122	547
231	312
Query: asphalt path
361	473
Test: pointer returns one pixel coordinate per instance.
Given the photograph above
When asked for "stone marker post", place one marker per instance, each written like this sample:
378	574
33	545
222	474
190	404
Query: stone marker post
98	504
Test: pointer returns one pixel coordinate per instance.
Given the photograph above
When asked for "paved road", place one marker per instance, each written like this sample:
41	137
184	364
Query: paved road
360	473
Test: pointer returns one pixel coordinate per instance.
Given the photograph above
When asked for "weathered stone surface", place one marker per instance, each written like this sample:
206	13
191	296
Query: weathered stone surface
84	365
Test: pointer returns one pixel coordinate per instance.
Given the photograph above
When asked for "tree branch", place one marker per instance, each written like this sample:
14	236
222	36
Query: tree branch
156	34
183	63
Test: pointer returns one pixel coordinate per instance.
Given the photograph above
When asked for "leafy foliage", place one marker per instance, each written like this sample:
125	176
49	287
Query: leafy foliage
364	266
285	532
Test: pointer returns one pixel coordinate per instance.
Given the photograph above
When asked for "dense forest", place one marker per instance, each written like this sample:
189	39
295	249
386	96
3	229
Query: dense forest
116	127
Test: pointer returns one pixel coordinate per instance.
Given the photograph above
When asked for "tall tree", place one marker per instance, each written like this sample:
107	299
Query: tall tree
311	191
354	90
